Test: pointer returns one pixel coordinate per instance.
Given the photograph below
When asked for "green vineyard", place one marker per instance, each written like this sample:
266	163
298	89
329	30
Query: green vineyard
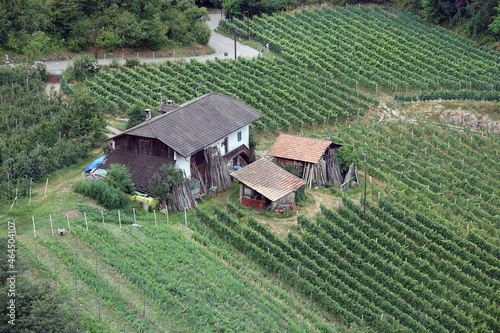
453	176
285	96
376	49
414	248
183	283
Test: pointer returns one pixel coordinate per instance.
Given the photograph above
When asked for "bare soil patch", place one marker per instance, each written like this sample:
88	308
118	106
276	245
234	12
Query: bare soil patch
478	115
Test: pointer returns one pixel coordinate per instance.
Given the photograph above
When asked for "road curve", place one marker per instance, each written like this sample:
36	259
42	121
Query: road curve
223	46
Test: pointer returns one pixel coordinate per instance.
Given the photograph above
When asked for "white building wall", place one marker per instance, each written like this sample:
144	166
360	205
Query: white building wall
232	139
183	163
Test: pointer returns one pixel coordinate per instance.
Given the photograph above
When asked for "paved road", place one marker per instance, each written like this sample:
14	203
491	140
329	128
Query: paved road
218	42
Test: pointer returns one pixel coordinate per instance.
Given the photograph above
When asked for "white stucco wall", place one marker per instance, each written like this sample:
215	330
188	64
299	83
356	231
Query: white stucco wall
232	139
183	163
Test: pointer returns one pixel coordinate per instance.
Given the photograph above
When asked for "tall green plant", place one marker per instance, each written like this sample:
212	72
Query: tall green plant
162	182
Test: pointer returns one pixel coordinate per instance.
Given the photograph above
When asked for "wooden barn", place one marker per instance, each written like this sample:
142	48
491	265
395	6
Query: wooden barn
313	160
204	137
263	184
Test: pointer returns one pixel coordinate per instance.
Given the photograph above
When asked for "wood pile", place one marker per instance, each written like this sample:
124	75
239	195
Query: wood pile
183	197
352	172
325	170
334	175
217	172
195	173
314	174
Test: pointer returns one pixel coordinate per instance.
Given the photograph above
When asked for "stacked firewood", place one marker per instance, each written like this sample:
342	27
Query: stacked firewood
218	173
195	173
332	167
183	197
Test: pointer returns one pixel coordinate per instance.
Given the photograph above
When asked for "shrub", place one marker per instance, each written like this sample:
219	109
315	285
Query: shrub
132	62
81	68
103	193
201	32
119	177
346	156
115	63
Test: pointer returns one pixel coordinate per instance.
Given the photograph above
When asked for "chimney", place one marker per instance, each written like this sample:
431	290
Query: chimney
148	114
167	107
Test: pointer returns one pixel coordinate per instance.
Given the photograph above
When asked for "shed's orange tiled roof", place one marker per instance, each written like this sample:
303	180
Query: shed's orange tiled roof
299	148
268	179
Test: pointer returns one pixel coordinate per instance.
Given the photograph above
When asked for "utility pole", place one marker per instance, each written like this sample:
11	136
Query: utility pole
198	86
160	93
95	44
248	23
234	42
366	167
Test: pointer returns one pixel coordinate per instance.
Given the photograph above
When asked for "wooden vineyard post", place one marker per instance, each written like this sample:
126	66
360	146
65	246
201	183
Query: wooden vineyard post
46	184
102	214
51	226
34	230
366	168
76	255
154	213
119	219
135	221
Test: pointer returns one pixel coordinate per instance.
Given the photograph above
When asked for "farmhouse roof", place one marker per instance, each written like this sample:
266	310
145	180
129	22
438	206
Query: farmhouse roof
197	123
300	148
268	179
141	167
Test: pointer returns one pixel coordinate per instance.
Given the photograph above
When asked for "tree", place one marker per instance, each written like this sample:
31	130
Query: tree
494	27
135	115
162	182
347	155
119	177
86	117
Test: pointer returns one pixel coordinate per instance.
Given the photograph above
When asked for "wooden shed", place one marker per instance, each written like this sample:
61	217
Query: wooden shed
263	184
314	160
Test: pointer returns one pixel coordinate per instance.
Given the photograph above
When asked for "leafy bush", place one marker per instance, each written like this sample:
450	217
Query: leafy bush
135	115
132	62
119	177
103	193
82	68
163	181
346	156
201	32
115	63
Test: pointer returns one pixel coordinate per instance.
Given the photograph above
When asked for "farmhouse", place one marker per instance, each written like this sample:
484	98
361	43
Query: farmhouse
312	159
264	184
203	137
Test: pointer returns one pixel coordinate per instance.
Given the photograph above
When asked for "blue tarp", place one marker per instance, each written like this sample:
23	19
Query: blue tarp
94	164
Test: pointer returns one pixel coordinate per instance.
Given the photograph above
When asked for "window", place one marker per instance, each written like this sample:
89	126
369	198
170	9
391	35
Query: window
239	136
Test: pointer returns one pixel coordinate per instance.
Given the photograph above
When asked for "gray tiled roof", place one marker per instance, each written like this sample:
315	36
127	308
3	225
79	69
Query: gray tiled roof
141	167
197	123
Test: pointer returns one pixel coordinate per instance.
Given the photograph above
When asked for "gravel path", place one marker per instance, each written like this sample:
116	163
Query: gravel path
221	44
